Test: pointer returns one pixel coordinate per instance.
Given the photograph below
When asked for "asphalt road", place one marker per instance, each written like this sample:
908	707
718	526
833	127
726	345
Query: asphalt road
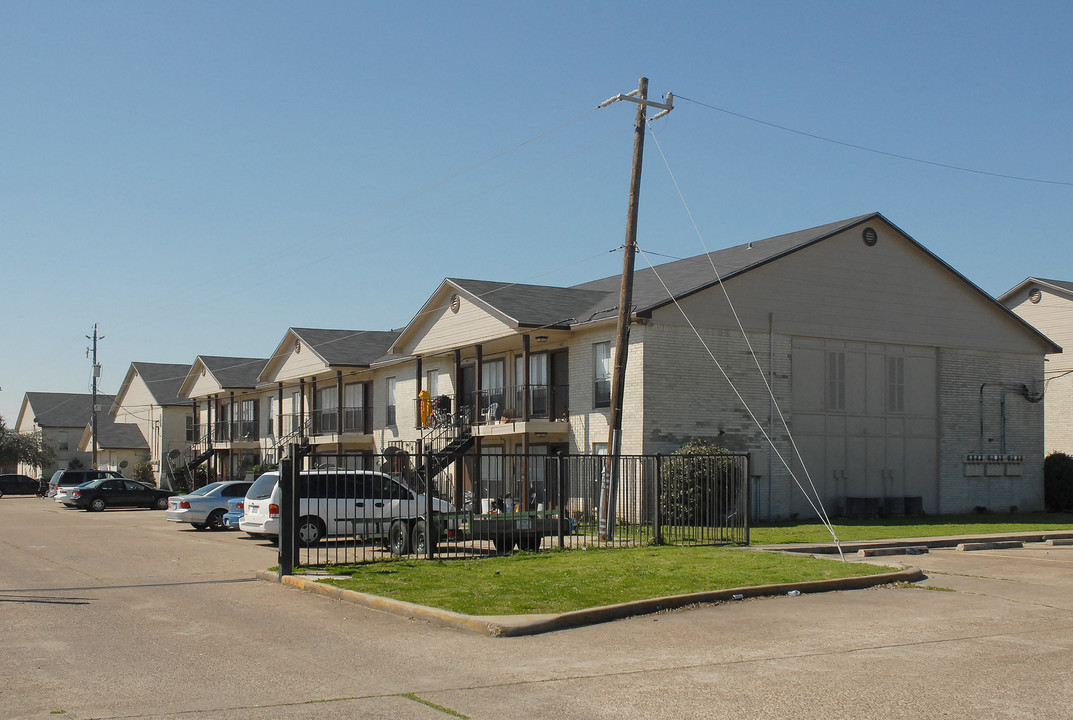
123	615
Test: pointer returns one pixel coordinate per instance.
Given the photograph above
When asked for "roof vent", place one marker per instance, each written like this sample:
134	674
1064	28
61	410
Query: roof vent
1034	296
870	237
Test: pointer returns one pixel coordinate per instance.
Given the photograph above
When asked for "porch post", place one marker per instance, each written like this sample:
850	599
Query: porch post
339	405
301	408
417	396
478	380
525	380
279	419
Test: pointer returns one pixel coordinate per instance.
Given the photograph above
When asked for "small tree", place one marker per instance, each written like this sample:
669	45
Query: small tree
1058	482
30	449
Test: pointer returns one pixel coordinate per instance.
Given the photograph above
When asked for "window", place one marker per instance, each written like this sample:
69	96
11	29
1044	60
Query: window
270	412
433	383
391	401
191	431
602	375
836	381
327	407
248	419
493	382
62	442
895	384
538	383
493	485
354	407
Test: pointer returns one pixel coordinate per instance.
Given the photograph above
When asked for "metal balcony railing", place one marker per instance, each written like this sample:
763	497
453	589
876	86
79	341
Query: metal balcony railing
546	402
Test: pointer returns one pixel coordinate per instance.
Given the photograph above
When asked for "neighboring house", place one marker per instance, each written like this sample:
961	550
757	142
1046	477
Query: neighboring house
233	420
905	386
61	419
1048	306
324	389
148	398
120	446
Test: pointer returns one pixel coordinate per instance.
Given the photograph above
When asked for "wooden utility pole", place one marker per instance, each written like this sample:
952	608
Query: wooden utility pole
96	375
609	487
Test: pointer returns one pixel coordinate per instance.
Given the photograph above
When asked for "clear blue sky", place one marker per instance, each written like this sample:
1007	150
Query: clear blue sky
197	177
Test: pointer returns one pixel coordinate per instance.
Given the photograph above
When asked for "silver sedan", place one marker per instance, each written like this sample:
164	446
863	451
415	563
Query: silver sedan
206	506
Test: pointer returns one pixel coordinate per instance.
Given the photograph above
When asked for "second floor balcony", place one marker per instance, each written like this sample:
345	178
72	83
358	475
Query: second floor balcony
352	420
233	431
515	404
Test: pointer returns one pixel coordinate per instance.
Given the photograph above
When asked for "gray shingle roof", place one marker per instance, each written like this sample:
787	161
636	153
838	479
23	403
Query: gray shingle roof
684	277
164	381
119	436
352	348
537	305
548	306
234	372
69	410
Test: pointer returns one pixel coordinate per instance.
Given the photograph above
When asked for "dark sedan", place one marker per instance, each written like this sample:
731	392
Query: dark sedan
117	492
17	484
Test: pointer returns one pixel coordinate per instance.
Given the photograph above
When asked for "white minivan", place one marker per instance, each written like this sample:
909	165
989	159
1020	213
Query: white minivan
351	503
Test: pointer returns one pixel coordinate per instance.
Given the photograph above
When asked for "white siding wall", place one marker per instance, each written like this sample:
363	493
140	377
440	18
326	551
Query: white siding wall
1053	316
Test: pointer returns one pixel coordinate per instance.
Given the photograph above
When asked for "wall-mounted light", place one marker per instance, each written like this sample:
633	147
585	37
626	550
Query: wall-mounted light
541	338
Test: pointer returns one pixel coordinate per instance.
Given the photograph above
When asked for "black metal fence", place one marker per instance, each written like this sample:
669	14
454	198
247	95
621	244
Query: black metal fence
340	509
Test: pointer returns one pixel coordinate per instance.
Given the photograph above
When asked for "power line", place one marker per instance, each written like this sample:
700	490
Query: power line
863	148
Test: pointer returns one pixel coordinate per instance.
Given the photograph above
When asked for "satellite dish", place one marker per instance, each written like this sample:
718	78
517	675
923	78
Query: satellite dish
123	464
174	454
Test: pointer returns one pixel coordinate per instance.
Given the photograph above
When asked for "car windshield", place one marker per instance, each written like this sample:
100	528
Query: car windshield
206	490
262	488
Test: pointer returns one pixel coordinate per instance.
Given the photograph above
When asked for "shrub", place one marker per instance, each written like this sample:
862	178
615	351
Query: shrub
143	472
699	490
1058	482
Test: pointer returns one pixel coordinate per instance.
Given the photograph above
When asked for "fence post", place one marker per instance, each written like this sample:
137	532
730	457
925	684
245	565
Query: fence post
430	529
748	499
286	523
657	517
562	499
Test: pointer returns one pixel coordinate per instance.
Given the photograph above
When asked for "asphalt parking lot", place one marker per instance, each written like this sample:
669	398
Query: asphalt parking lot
123	615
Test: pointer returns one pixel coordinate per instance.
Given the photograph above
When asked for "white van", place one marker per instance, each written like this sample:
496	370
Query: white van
350	503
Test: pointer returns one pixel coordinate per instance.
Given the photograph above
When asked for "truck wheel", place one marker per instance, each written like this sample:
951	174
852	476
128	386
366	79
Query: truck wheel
503	544
419	539
398	538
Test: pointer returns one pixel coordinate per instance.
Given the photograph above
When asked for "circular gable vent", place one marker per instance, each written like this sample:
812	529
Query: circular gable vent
870	237
1034	296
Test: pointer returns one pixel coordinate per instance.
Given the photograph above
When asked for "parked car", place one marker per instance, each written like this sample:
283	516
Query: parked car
17	484
63	480
96	495
206	506
357	503
234	512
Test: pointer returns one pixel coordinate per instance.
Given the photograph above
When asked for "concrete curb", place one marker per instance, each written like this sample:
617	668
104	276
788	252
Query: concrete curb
929	542
517	625
1004	545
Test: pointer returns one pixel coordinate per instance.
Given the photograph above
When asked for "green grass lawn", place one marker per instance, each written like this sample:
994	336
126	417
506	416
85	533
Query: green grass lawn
852	530
561	581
